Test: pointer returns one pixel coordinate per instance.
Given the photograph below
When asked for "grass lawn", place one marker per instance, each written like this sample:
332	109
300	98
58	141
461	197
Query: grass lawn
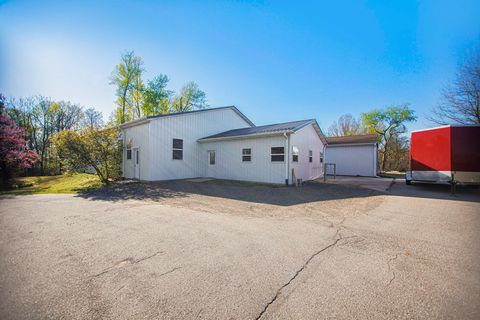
67	183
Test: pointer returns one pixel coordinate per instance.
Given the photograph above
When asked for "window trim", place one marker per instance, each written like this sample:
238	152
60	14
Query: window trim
295	153
310	156
177	149
277	154
246	155
321	157
126	155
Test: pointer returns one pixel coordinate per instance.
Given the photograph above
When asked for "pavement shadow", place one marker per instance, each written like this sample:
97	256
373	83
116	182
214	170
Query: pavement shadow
397	187
466	193
242	191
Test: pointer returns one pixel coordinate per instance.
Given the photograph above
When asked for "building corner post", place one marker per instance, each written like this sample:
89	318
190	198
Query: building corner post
287	158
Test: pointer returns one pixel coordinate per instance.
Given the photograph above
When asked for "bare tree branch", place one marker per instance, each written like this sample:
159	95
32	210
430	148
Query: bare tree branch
460	100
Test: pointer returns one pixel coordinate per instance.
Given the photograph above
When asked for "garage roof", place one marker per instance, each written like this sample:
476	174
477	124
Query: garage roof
276	128
364	138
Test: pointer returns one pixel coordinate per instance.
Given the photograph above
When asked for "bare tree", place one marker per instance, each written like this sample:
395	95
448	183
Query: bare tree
92	119
460	101
346	125
42	119
65	115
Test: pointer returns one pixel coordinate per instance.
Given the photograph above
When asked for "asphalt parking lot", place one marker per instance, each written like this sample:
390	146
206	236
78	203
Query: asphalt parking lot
222	250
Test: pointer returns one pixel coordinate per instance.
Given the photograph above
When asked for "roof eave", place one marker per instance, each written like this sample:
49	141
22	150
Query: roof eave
176	114
244	117
351	144
317	129
133	123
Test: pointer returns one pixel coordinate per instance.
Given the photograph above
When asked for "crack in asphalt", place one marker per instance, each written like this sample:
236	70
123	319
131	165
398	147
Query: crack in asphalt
390	269
169	271
147	257
305	264
124	262
391	184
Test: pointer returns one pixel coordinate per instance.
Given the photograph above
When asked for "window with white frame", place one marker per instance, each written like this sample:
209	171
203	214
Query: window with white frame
129	154
294	154
277	154
246	155
321	157
177	153
310	156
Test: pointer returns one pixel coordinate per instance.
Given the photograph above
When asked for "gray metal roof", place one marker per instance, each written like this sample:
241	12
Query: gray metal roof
260	130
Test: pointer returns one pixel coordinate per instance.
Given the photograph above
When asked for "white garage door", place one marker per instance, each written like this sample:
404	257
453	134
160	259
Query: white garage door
352	160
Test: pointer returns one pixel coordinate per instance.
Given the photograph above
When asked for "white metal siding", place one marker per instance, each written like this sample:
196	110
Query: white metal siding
306	139
229	165
352	160
139	136
189	127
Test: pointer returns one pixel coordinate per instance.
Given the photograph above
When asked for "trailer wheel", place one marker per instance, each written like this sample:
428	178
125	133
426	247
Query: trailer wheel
408	182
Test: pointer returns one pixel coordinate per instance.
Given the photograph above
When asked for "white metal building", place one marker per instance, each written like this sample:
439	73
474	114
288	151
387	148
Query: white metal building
221	143
353	155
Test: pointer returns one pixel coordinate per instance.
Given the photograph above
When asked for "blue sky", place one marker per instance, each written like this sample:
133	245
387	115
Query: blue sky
275	60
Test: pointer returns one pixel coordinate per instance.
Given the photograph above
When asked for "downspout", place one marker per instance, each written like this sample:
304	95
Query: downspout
123	152
324	151
287	160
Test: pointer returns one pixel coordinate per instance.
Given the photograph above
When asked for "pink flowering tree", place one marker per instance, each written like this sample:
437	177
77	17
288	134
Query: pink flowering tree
14	152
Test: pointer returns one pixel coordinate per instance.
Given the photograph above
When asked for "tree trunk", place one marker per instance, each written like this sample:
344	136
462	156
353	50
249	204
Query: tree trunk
477	109
124	102
385	153
100	175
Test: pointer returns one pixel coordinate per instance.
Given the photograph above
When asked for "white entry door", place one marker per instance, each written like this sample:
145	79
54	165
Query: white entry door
136	163
211	163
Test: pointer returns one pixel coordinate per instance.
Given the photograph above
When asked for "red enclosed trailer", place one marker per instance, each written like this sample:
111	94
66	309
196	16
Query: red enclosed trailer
445	154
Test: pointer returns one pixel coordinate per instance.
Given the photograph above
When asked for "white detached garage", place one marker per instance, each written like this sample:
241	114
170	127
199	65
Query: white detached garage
353	155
